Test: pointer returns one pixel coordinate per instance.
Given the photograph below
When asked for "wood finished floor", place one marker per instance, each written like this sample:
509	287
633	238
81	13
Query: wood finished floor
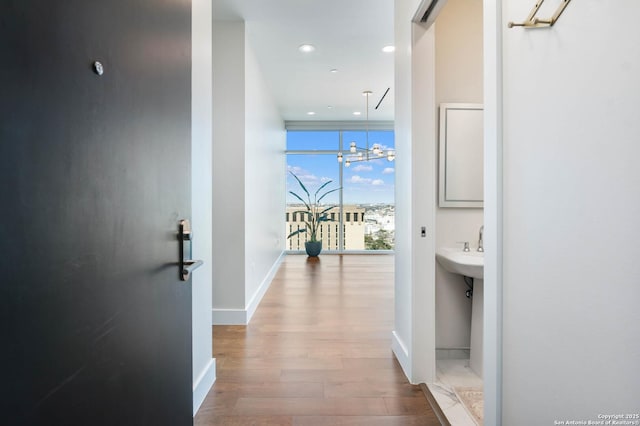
317	352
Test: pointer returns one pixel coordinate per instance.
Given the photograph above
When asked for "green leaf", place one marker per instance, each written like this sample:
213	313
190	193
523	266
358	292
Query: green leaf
299	231
303	201
326	210
322	186
301	185
327	193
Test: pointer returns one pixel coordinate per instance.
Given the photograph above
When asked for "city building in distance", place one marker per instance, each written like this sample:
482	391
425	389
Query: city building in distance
364	227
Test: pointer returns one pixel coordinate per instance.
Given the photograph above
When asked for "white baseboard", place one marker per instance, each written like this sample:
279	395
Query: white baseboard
402	354
243	316
203	384
229	316
264	286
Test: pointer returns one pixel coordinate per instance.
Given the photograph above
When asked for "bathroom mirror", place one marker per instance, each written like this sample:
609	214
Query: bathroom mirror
461	155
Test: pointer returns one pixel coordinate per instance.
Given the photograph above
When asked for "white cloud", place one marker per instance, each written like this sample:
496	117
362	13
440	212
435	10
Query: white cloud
362	168
365	181
358	179
388	171
308	179
305	176
294	169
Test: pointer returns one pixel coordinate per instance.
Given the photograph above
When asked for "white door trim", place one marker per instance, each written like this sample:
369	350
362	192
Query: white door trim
493	209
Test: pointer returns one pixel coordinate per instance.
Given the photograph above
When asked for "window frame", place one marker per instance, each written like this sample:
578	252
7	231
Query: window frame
341	127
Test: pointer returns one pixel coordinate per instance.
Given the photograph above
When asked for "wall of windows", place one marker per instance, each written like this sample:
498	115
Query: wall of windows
362	210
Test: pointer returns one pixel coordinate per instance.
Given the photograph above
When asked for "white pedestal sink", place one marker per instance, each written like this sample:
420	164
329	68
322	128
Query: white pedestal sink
469	264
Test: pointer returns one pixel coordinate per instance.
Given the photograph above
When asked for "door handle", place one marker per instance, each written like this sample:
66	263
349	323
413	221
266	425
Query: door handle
187	265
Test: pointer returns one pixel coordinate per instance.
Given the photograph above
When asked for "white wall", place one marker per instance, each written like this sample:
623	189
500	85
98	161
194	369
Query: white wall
459	52
265	166
459	78
228	167
571	214
414	336
204	371
249	176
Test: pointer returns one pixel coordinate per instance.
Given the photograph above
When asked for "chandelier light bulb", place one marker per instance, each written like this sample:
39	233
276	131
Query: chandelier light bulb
340	157
347	163
352	147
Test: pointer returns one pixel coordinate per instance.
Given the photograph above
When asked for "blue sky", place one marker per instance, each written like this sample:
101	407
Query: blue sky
364	182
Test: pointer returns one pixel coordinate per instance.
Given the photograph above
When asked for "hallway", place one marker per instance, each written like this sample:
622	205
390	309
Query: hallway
317	352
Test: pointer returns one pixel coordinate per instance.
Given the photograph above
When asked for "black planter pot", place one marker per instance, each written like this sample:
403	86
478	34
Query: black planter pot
313	248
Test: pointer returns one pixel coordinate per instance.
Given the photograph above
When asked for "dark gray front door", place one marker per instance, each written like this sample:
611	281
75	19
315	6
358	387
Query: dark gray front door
94	178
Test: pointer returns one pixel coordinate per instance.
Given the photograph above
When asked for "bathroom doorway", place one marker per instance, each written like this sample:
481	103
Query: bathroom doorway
458	386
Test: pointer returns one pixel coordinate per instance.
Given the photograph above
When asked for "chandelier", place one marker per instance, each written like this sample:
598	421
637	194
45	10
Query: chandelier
357	154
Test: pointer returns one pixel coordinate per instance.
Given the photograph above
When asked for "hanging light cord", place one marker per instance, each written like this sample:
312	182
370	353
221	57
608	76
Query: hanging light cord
367	94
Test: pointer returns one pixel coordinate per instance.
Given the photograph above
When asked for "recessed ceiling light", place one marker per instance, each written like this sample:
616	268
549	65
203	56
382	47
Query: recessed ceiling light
311	113
306	48
389	49
334	70
329	106
357	113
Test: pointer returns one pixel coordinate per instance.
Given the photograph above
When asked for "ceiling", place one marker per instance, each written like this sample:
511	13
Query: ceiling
348	36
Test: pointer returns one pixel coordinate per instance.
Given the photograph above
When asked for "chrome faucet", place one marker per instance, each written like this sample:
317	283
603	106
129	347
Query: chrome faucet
480	239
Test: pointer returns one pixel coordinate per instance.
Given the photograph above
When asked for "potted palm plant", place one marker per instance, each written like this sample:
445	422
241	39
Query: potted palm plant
313	216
